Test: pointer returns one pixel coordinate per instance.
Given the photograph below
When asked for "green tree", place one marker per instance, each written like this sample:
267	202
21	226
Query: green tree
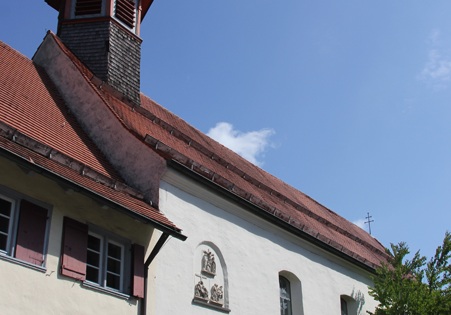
415	286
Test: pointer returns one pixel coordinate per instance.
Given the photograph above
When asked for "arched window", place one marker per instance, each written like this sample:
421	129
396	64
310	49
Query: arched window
344	306
285	296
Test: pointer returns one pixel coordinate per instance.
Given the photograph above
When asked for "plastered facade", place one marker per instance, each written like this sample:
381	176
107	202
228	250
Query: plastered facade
26	290
255	253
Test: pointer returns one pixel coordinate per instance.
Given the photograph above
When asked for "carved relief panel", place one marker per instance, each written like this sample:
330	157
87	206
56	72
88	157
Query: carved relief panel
210	277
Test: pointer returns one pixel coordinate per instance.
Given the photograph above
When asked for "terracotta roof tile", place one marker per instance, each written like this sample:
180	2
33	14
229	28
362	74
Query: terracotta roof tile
36	125
30	103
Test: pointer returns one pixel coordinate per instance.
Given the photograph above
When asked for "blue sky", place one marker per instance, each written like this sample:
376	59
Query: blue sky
348	101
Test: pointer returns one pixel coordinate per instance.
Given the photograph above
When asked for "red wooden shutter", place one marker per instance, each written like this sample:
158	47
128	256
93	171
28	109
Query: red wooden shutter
31	233
138	271
74	249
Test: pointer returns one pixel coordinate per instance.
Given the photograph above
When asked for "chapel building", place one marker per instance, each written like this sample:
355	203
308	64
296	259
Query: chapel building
111	204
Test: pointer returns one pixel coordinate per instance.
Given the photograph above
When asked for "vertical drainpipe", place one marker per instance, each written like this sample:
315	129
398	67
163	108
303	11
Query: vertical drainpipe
149	260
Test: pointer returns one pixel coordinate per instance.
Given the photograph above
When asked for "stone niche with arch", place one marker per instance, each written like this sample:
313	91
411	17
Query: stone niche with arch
210	278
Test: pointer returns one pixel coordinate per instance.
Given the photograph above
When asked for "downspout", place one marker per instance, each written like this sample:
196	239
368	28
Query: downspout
152	255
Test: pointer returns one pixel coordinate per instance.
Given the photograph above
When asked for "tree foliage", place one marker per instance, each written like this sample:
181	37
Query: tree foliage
414	286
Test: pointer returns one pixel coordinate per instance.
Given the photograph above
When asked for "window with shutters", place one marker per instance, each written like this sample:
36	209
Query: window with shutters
125	12
102	259
23	230
105	262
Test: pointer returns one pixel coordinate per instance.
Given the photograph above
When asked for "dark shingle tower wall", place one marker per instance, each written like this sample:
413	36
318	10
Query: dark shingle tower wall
111	52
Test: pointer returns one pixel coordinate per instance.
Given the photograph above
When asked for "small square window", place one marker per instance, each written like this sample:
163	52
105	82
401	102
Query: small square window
105	261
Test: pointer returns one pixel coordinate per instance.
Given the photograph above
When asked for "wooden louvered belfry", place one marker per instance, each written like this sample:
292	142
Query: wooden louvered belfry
88	7
125	11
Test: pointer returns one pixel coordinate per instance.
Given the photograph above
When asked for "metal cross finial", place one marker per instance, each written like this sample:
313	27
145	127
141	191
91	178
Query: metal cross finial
368	217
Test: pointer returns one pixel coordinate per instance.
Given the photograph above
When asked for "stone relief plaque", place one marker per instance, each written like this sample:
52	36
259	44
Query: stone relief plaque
216	295
208	263
200	291
209	289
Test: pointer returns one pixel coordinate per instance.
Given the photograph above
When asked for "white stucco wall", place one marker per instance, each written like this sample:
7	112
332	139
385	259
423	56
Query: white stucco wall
27	291
254	252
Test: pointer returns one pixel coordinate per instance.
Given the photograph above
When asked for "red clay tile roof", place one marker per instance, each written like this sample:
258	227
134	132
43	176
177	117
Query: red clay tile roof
176	140
30	103
35	125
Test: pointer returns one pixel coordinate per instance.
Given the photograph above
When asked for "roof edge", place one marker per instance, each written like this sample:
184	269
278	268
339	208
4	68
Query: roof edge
88	192
306	234
232	189
16	138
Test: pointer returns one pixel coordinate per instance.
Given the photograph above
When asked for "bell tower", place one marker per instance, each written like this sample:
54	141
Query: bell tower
104	35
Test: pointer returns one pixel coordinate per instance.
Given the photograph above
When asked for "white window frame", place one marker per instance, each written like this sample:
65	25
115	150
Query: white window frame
125	245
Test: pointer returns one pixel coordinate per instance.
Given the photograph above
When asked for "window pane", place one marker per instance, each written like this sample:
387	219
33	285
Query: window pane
285	296
113	281
4	224
92	274
5	208
94	243
344	307
3	239
114	265
5	214
114	251
93	259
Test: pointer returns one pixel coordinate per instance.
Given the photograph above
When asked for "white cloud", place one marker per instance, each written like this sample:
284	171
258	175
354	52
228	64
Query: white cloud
250	145
435	37
360	223
437	69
